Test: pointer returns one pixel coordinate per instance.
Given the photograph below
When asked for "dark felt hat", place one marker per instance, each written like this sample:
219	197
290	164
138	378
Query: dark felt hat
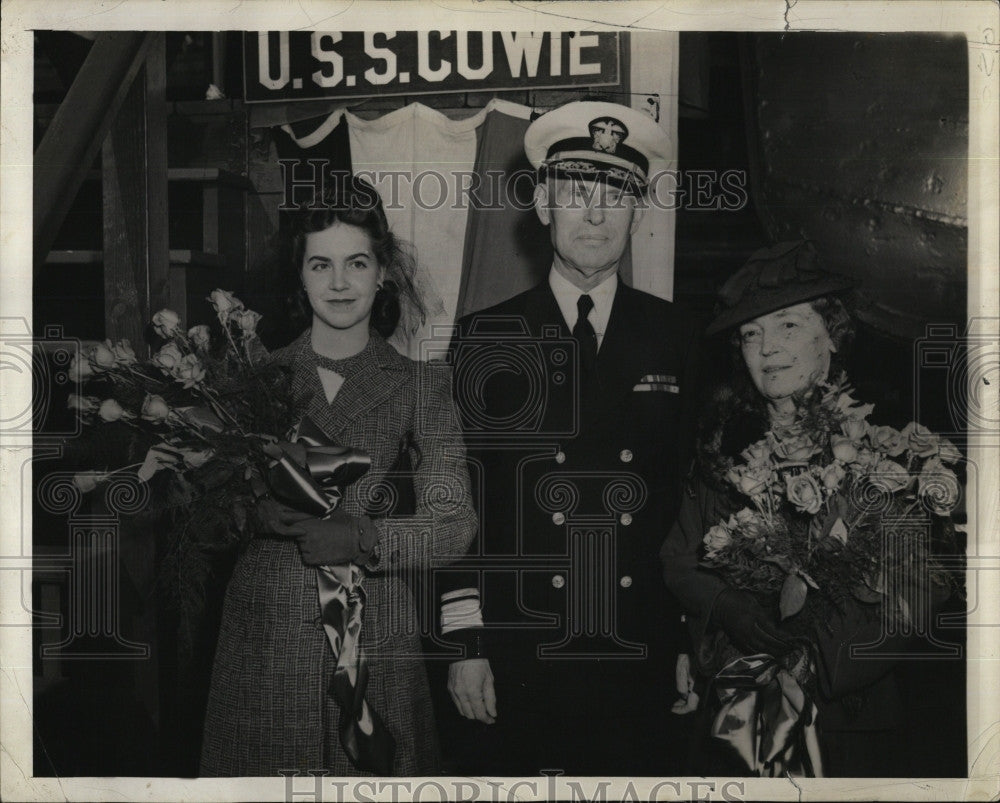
773	278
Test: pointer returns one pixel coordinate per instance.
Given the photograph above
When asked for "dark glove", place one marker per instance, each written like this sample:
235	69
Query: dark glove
748	625
339	538
273	516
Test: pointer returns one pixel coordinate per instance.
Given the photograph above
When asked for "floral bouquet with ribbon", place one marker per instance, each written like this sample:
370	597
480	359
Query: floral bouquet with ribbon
839	510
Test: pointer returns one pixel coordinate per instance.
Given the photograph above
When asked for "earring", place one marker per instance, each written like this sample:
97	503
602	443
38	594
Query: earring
379	285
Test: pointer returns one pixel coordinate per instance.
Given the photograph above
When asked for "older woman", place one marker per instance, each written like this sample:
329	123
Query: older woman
295	686
771	471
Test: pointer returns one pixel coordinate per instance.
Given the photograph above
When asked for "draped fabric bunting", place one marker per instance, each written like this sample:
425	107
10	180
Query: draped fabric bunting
425	160
506	250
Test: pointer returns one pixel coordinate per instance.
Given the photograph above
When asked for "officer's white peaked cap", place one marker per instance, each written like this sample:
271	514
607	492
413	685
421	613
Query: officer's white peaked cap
596	139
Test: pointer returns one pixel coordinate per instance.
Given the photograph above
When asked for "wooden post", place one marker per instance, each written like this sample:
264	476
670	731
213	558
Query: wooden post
136	256
72	140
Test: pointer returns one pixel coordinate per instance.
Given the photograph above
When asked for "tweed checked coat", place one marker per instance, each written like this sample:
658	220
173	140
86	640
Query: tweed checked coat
268	708
579	486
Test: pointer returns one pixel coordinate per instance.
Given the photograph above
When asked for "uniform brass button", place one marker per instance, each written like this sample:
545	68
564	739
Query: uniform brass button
558	581
318	622
558	518
625	582
626	519
625	455
560	457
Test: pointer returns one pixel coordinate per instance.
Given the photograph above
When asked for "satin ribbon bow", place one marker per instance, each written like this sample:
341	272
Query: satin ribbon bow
315	487
767	719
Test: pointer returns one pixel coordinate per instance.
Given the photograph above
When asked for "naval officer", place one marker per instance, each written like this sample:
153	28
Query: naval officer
575	398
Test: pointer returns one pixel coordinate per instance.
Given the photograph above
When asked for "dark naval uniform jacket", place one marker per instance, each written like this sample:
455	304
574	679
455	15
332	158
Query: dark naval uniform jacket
577	483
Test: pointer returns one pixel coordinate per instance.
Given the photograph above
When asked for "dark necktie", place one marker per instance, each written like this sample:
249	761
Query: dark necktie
587	338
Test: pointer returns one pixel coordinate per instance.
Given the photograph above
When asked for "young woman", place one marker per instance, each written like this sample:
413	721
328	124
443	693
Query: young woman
288	692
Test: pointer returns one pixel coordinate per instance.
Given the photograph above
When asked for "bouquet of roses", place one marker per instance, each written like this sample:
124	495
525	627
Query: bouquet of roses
838	508
205	411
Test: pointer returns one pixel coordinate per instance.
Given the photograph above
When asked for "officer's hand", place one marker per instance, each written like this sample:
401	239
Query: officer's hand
470	683
750	627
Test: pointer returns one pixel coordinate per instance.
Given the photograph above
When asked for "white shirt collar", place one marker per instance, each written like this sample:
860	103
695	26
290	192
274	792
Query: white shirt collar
567	294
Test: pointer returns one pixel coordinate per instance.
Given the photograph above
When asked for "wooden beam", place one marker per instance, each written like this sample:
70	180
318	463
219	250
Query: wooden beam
136	258
178	256
72	140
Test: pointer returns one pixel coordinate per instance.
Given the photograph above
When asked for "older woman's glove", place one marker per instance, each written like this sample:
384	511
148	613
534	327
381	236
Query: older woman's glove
750	627
339	538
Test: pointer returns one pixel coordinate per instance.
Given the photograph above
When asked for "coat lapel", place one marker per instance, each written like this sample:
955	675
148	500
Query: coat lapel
542	311
378	379
544	318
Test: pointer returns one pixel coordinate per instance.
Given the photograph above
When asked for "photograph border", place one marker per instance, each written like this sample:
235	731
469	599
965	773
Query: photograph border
978	21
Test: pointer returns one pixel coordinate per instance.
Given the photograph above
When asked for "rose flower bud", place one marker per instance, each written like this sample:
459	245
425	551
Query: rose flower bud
167	323
188	371
938	487
854	428
167	357
843	448
102	357
110	410
889	476
200	336
124	353
224	302
888	440
247	320
155	409
920	440
717	537
85	404
86	481
80	370
832	476
804	493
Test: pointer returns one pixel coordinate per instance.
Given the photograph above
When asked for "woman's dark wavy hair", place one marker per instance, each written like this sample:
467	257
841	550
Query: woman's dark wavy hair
353	201
736	414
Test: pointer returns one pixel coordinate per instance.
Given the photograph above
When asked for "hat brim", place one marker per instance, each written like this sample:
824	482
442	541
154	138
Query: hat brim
788	296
